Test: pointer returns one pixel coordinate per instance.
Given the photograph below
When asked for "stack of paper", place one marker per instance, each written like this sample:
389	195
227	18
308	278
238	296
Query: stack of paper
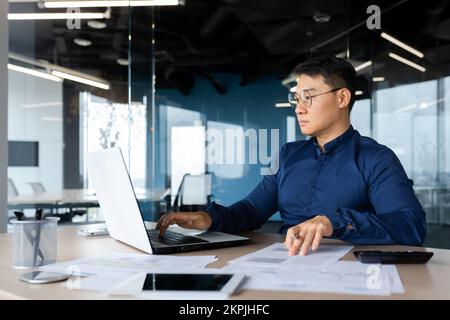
319	271
276	255
104	272
268	269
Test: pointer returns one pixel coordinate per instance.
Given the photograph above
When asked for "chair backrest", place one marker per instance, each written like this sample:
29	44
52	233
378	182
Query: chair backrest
12	190
37	187
194	190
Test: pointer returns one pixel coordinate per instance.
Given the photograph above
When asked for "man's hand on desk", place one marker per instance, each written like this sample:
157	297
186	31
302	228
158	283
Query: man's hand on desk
308	234
190	220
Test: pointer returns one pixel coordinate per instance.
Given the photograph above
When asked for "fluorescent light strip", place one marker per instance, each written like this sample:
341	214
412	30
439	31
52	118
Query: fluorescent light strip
407	62
425	105
117	3
422	105
363	65
283	105
402	45
81	80
52	119
33	72
377	79
56	16
359	93
408	107
42	105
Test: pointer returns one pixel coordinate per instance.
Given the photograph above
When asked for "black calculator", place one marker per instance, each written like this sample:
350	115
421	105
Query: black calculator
392	257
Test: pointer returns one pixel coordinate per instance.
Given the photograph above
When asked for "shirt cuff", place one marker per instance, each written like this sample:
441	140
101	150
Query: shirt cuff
215	216
337	221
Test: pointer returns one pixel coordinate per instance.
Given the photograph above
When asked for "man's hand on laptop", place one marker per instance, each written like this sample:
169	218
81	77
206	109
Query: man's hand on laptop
190	220
308	234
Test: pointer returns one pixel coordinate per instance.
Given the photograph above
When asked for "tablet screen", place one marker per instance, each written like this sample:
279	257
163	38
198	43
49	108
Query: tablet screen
185	282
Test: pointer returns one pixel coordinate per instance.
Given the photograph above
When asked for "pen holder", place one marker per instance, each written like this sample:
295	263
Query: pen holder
35	242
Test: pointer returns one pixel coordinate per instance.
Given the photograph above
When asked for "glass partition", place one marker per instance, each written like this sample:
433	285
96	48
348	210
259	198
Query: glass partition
201	89
69	95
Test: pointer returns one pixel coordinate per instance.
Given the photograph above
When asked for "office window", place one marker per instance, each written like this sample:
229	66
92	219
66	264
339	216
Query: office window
107	124
187	154
413	109
35	116
445	173
228	149
360	117
291	125
53	64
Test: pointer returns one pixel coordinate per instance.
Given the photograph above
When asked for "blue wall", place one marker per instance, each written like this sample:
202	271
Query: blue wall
250	106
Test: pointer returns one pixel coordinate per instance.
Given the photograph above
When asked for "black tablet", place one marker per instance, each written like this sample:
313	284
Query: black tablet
202	285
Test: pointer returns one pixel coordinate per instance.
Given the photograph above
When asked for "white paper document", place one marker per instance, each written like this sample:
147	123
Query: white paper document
319	271
343	277
101	283
276	255
114	265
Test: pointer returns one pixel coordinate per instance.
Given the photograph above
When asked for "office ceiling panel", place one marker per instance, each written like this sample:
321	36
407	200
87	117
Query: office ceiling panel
252	38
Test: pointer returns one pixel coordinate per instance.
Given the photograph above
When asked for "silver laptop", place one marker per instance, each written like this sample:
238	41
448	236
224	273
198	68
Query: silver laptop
123	216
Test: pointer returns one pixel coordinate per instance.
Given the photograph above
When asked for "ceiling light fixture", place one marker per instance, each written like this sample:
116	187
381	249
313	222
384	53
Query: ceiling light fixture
378	79
123	61
42	105
33	72
82	42
402	45
75	78
363	65
57	16
94	24
59	72
321	17
359	93
52	119
112	3
283	105
407	62
408	107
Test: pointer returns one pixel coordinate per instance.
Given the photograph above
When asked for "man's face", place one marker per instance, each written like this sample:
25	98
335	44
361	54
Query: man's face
324	111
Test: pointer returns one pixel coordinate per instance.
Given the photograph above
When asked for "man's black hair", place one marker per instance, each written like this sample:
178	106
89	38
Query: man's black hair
337	73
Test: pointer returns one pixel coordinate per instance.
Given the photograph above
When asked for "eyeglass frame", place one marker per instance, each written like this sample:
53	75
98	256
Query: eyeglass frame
297	99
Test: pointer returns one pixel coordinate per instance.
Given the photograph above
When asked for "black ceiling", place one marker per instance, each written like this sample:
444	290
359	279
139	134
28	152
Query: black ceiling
252	38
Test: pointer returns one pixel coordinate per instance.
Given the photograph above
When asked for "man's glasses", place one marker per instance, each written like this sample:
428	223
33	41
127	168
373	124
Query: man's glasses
305	97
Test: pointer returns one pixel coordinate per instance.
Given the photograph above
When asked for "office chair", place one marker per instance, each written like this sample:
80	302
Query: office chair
12	190
37	187
194	193
65	217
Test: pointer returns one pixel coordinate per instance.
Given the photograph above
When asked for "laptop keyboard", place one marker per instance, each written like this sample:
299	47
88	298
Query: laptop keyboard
173	238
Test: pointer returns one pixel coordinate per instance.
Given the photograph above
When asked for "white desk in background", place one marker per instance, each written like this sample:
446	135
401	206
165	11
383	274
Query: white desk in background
67	198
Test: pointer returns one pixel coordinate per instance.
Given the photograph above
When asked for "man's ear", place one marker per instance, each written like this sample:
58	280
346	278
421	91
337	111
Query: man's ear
344	98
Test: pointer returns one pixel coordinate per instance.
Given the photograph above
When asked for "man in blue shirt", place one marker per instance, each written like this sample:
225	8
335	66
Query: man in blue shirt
337	184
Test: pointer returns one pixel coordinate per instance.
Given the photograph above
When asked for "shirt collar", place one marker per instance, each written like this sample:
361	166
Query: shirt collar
333	144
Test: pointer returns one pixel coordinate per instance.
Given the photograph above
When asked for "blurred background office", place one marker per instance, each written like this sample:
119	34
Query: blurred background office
195	94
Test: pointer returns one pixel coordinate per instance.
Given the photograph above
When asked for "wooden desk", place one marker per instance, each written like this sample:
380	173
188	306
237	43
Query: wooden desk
429	281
